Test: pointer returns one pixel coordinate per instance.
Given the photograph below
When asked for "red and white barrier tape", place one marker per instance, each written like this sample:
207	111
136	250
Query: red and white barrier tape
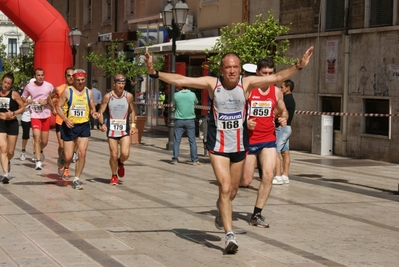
344	114
300	112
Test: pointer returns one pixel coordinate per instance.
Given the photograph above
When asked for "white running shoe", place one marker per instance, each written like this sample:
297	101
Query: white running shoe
22	156
285	179
38	165
77	184
277	180
231	244
6	178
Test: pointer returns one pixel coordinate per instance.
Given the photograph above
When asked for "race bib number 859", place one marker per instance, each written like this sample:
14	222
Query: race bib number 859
261	108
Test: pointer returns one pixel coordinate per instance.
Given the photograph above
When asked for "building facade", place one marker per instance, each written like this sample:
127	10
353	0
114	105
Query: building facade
104	20
12	36
354	68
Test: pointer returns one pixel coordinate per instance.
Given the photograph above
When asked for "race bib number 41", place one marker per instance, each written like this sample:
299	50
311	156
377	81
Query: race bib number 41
229	121
261	108
37	107
4	102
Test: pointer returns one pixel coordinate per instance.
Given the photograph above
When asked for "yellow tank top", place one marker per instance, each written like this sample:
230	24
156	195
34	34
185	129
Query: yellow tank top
78	106
61	89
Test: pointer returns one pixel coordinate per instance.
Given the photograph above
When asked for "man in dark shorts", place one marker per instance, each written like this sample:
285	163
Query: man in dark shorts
227	141
120	110
76	126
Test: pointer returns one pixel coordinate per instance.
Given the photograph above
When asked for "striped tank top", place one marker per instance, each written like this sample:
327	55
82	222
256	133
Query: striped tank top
118	116
227	129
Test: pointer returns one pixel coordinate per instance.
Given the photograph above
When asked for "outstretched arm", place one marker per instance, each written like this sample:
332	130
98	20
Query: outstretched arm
205	82
262	81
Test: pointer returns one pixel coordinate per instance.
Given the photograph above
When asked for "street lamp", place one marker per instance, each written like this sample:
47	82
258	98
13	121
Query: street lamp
24	51
174	17
74	38
24	48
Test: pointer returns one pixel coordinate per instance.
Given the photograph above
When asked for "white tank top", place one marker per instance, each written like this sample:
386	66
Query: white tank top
118	111
227	131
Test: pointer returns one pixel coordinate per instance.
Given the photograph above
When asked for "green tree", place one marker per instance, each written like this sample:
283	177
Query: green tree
114	61
252	42
20	66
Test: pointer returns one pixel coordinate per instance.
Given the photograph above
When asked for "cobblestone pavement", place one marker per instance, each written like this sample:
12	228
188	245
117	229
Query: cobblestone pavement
335	212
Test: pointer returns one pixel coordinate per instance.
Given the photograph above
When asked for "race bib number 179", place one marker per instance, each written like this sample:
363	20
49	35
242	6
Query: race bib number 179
118	125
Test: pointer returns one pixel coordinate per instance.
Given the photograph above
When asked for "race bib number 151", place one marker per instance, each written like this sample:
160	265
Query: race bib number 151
78	111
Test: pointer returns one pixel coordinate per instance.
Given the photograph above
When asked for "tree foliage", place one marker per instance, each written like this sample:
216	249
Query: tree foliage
252	42
115	61
20	66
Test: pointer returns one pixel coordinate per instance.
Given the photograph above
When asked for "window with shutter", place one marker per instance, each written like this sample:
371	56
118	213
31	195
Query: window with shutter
12	47
87	16
381	13
335	11
130	8
375	124
106	12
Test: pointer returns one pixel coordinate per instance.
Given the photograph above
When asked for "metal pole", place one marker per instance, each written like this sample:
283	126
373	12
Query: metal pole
171	111
345	95
74	54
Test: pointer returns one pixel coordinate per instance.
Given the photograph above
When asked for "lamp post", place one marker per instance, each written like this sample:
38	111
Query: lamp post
174	17
24	51
74	38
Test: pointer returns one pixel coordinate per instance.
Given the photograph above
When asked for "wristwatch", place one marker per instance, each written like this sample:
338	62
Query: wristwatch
154	76
297	66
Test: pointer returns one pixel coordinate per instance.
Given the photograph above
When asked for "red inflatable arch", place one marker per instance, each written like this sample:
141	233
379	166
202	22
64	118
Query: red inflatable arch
48	29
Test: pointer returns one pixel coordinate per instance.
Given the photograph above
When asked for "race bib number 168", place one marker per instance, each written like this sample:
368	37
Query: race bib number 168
229	121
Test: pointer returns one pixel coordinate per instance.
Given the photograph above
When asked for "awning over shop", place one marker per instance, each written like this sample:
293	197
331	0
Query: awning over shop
183	47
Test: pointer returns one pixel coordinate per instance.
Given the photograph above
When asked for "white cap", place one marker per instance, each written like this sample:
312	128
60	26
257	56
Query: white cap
249	67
